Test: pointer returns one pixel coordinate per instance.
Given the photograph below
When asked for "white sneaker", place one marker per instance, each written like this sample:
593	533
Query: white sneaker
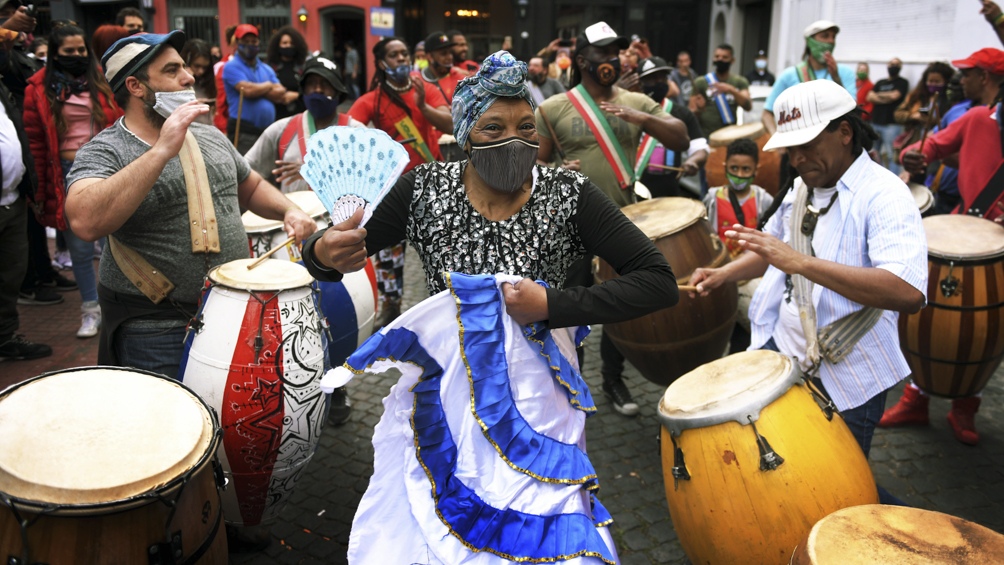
62	260
90	320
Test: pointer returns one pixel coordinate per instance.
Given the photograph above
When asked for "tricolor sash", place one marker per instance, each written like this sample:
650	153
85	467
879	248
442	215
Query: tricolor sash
407	128
648	144
721	102
302	127
598	124
804	72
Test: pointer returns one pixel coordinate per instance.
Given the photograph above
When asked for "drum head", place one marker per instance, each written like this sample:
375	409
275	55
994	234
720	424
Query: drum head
963	238
98	435
876	533
734	388
268	275
728	134
305	199
922	196
660	217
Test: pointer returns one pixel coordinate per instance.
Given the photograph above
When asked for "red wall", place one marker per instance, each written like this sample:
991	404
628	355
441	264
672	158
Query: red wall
230	14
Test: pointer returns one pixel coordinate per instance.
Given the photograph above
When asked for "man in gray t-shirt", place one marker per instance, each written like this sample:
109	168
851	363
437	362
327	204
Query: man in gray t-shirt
128	183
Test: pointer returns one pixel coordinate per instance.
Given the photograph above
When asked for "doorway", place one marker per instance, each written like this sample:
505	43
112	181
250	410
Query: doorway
343	24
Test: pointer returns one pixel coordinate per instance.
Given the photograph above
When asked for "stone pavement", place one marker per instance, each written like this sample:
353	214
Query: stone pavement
924	466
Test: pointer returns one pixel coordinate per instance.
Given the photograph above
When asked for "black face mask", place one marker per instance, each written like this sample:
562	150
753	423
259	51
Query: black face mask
657	91
73	65
722	67
287	52
605	73
893	71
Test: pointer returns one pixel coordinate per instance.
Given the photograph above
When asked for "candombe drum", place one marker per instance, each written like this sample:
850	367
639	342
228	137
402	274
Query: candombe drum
767	176
255	353
873	533
348	306
923	197
956	343
108	465
751	461
668	343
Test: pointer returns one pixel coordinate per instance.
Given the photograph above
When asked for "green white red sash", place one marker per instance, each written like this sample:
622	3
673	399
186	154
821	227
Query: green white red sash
597	122
648	145
805	72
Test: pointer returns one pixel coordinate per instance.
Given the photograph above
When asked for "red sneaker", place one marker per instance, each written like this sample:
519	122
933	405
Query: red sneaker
911	410
962	418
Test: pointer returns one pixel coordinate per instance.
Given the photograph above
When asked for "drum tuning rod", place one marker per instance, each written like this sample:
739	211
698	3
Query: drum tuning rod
269	253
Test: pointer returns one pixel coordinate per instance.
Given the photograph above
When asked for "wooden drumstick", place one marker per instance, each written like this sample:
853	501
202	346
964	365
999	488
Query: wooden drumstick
269	253
666	167
687	288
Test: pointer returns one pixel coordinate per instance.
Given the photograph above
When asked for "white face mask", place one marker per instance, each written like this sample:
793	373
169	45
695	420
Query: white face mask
168	102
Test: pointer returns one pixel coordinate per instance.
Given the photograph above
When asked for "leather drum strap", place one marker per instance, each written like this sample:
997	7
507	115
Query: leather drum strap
142	274
201	215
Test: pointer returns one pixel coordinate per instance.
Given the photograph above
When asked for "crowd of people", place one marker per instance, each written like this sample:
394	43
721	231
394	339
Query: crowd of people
114	133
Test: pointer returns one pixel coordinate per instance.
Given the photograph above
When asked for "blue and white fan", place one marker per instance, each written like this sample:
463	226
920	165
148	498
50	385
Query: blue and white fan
351	168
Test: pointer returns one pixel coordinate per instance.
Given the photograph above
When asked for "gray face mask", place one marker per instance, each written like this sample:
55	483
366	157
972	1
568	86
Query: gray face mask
167	102
505	164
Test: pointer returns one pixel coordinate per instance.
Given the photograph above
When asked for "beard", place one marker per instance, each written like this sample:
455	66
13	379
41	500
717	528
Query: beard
539	79
148	112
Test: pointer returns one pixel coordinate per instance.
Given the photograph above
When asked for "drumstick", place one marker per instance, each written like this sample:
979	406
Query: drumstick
666	167
240	108
687	288
929	126
554	137
268	254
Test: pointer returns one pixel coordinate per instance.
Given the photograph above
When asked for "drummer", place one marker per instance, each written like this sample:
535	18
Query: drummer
129	183
278	153
849	226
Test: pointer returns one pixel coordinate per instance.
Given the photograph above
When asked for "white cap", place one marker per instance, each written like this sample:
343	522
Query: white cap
818	26
601	35
804	110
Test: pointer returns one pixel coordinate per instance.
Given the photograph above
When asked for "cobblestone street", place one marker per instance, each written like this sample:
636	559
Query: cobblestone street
926	466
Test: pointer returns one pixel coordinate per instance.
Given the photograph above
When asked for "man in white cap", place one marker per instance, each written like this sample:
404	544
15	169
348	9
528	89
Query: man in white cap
133	182
849	227
817	63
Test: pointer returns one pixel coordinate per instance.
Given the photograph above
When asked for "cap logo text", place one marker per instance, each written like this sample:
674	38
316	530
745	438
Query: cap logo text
787	116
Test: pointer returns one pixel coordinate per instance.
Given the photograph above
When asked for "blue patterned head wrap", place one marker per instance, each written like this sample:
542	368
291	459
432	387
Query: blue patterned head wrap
501	76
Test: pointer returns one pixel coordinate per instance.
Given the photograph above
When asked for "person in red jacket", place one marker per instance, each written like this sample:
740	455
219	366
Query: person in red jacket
66	104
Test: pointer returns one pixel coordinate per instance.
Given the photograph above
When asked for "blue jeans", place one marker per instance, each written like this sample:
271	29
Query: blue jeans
861	420
153	349
887	134
82	254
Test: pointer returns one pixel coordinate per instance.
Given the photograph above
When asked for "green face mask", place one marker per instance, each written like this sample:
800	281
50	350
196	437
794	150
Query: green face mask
862	76
818	49
738	184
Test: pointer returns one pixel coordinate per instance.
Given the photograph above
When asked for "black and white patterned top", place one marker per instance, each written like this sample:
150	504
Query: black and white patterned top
566	218
540	241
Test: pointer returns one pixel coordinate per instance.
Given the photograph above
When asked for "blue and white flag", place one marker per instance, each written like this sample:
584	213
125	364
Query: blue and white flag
721	102
480	454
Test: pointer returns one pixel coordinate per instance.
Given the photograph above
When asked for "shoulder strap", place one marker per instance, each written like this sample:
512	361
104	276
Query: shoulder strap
145	277
804	72
293	127
605	137
984	201
721	102
201	214
648	144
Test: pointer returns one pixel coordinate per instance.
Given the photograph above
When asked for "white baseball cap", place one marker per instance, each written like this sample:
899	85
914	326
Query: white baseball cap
818	26
804	110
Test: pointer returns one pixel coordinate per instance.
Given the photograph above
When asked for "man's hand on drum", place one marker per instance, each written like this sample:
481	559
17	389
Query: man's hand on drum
285	170
690	168
343	246
298	224
914	162
707	280
525	301
769	248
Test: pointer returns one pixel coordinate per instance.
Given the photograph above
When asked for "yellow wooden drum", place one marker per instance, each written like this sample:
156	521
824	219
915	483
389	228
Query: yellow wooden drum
751	462
870	534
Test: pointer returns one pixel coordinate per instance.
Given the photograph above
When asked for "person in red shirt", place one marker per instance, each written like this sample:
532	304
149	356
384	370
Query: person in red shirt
411	111
865	86
460	52
443	75
976	138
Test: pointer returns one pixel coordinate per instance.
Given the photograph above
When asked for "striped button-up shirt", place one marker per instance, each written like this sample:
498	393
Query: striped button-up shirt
879	227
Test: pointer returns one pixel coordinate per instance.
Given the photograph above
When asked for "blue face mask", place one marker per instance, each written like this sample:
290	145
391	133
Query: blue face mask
399	74
319	105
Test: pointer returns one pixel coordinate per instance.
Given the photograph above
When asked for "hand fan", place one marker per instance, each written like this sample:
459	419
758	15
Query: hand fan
351	168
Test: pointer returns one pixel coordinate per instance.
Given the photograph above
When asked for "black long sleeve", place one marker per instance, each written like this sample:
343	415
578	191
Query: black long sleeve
646	281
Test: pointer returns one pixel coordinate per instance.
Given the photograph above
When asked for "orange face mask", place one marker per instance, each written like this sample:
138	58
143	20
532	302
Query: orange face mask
563	61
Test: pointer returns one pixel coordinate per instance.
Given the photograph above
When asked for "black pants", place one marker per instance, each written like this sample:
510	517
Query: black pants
39	261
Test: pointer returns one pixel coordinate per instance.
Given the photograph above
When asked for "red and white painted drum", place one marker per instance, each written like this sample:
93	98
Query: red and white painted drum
348	306
255	353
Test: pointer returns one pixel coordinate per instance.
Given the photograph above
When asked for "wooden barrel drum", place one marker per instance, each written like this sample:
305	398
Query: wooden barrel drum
955	344
670	342
751	461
